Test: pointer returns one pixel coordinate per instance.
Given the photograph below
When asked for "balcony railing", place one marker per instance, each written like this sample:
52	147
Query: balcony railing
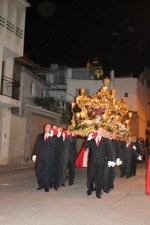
10	87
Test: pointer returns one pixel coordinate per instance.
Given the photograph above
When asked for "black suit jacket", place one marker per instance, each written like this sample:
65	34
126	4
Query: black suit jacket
99	154
113	149
128	152
45	150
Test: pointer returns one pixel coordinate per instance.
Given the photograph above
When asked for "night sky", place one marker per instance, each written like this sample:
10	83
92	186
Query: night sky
71	32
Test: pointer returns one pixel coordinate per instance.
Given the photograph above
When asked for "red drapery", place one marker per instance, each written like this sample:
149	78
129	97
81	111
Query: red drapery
147	191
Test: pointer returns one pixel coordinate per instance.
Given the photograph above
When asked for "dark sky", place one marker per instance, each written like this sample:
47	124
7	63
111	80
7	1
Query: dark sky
115	31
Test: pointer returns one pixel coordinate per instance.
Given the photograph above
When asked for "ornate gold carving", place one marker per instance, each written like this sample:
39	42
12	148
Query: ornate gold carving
100	109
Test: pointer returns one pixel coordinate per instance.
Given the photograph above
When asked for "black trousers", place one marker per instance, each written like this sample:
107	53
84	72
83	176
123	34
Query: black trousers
96	173
71	167
106	179
56	173
44	172
133	165
112	177
125	167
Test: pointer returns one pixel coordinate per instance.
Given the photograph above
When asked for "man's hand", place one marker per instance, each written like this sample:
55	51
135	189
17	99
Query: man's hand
34	158
139	157
51	133
134	147
90	137
109	163
118	162
113	164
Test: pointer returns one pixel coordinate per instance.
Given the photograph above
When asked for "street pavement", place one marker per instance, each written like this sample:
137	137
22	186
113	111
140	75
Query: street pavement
22	204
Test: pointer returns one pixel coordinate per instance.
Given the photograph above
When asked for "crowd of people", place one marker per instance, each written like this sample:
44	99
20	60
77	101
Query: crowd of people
55	153
106	152
55	156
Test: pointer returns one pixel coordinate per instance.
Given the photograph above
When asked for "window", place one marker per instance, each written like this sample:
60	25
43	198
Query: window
3	67
126	95
32	89
148	123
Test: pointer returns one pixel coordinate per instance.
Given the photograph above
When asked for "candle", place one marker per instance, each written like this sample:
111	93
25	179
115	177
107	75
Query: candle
82	114
130	114
78	115
73	104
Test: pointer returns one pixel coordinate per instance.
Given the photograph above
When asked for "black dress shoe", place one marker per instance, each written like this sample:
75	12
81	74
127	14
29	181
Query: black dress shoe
89	192
112	187
46	189
55	189
98	196
39	188
71	183
63	185
106	191
94	189
127	177
121	175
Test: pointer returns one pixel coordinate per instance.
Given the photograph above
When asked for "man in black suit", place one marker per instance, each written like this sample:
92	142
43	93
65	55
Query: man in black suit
45	153
68	159
71	161
109	172
129	149
59	148
99	156
134	158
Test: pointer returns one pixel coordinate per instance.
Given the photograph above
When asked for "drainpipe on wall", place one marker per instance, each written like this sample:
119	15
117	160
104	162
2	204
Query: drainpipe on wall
21	90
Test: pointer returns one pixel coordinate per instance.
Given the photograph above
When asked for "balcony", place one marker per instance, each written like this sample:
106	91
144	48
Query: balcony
9	94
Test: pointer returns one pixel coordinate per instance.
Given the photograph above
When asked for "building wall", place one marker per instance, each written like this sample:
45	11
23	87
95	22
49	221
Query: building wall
5	118
12	26
13	11
17	139
27	81
141	107
126	85
30	86
134	125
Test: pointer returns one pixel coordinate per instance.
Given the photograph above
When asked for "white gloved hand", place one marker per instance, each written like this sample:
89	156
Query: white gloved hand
120	162
134	147
113	164
90	137
63	136
34	158
51	133
117	161
109	163
139	157
59	133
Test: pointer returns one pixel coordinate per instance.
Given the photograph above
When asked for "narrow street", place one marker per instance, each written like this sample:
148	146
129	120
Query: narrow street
22	204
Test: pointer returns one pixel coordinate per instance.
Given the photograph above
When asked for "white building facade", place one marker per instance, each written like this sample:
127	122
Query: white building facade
12	24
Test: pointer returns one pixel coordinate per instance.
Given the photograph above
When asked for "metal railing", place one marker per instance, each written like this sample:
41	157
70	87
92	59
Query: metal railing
10	87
